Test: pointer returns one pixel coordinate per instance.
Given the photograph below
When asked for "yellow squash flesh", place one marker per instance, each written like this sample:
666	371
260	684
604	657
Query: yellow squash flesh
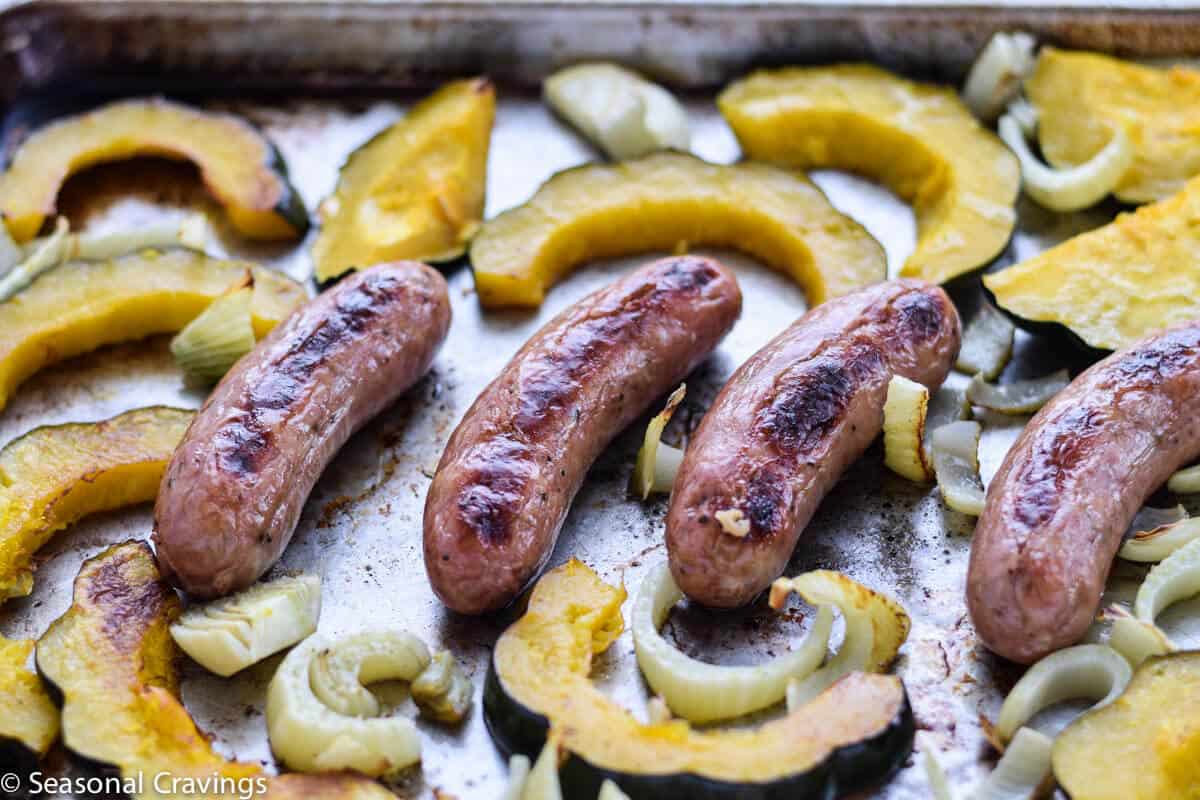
112	658
917	139
1082	97
546	658
54	476
1143	746
27	716
660	202
1113	285
237	164
415	191
82	306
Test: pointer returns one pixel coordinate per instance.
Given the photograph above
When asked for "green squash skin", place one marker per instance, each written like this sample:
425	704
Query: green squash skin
16	757
849	769
1058	337
290	206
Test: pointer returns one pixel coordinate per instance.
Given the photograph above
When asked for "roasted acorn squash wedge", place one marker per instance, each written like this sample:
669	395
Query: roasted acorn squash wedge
55	475
113	663
84	305
1113	285
239	165
1082	98
657	203
416	190
28	718
917	139
1143	746
849	738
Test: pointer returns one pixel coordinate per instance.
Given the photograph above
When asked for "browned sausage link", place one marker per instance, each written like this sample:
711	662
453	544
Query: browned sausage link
788	424
234	490
1069	488
511	469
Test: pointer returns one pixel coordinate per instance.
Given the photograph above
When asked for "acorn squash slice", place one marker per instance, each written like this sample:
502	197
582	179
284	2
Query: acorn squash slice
917	139
1143	746
657	203
847	739
414	191
113	663
85	305
55	475
28	718
1113	285
1082	97
240	166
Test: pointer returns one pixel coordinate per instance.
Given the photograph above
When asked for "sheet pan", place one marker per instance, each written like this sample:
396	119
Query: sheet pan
321	78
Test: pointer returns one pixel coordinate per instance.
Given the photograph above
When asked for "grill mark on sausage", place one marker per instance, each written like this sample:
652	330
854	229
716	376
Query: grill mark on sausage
1042	480
242	444
921	315
766	495
549	385
499	469
1161	360
811	400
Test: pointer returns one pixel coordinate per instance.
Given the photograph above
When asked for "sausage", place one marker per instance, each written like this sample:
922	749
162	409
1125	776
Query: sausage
1069	488
515	462
234	490
787	425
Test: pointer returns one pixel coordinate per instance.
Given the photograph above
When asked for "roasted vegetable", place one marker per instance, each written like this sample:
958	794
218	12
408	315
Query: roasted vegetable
1093	671
954	450
849	738
1175	578
1159	542
112	661
53	476
414	192
1116	284
657	463
618	110
917	139
995	78
318	690
657	203
45	255
442	691
1018	397
876	628
1186	481
214	341
1143	746
987	344
1082	98
85	305
230	634
1071	188
904	415
701	692
237	163
28	718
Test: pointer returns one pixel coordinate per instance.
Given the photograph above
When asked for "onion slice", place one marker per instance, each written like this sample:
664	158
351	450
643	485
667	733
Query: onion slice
987	344
10	252
657	463
904	429
1023	771
1156	544
1092	671
701	692
876	627
518	773
1069	189
939	785
1135	639
1025	114
1018	397
945	406
1186	481
217	338
955	454
45	255
1176	578
621	112
542	782
998	72
610	791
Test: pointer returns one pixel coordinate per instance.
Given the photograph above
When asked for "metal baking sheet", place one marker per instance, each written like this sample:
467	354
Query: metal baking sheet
321	78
